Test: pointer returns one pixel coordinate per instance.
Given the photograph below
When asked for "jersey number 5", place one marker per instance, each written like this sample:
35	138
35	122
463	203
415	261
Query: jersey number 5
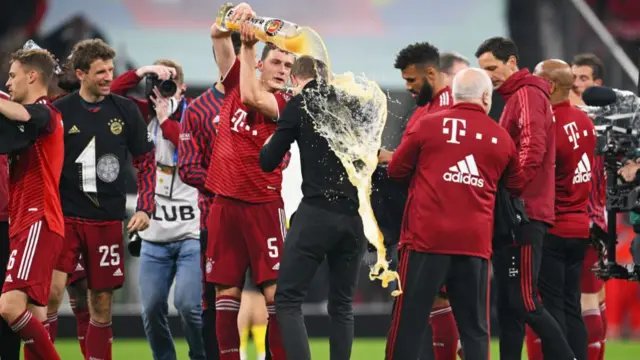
110	255
272	245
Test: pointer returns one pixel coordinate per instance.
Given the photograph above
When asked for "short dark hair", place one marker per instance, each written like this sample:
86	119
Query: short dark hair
418	54
448	59
306	67
85	52
39	60
592	61
268	48
501	48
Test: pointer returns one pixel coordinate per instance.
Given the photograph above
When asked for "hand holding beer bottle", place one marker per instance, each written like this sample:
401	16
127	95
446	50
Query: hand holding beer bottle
281	33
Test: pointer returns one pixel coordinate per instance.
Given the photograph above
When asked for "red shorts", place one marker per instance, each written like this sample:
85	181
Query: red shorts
101	246
591	284
78	274
34	252
242	235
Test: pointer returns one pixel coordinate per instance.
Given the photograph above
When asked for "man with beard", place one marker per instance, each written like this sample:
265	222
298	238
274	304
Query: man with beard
100	130
424	78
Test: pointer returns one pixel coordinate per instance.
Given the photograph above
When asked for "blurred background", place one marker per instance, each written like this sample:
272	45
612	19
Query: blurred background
362	36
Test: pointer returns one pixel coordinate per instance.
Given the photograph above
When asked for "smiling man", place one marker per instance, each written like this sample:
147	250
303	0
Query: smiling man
100	130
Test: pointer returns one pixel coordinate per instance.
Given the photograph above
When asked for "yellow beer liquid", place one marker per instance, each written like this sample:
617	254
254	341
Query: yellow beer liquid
349	141
358	144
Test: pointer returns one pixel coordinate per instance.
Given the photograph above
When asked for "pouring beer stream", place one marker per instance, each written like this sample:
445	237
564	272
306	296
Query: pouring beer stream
354	138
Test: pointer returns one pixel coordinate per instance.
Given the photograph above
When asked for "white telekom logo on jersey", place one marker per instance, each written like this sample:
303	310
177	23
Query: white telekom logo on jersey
464	172
582	174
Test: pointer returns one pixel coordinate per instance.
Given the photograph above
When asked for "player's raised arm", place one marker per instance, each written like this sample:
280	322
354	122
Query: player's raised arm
275	66
223	50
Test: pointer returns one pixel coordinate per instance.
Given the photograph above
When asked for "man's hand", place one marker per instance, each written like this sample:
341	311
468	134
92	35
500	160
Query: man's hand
139	222
163	72
384	157
241	13
248	35
161	105
628	172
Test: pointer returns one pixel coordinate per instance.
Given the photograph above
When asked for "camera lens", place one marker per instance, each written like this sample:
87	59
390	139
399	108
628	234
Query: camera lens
167	88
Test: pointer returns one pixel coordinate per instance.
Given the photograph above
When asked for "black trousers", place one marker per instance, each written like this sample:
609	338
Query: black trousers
559	283
316	234
422	275
211	348
9	341
516	270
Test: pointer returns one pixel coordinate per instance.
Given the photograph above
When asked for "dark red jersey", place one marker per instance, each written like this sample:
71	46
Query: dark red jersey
575	148
34	174
454	159
235	160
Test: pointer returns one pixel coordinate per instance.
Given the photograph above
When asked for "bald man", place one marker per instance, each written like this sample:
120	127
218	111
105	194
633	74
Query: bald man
566	242
454	159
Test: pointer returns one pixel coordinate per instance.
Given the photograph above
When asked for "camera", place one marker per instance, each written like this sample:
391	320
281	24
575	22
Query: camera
167	88
617	142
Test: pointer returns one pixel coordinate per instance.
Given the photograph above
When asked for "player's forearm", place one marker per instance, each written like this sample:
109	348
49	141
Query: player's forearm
223	53
273	153
125	82
249	84
14	111
171	131
146	181
193	175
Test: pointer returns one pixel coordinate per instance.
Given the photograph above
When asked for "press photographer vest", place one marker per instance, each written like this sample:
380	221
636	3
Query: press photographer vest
177	216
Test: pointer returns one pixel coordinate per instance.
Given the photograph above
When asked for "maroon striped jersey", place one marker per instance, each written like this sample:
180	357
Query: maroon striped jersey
34	174
197	136
235	160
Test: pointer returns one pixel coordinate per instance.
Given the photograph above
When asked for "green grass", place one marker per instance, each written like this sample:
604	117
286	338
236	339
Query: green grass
365	349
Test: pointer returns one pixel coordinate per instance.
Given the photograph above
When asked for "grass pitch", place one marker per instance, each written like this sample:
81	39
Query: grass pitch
365	349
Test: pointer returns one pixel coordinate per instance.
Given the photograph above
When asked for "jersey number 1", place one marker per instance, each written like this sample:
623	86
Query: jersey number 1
87	161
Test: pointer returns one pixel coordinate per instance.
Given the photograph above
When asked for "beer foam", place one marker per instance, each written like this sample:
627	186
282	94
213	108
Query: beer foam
353	124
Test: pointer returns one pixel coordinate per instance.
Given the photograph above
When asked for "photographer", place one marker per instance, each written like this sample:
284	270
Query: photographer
170	247
164	74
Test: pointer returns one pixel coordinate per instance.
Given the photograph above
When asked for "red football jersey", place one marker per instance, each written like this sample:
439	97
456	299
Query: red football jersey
454	159
235	160
575	147
34	179
443	99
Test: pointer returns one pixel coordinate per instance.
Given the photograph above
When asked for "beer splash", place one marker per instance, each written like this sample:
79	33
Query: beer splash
354	139
353	125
